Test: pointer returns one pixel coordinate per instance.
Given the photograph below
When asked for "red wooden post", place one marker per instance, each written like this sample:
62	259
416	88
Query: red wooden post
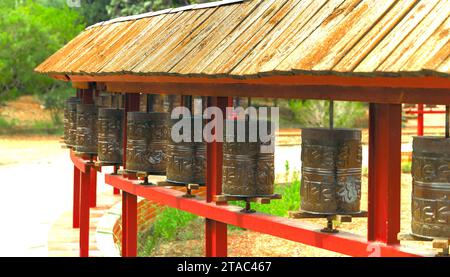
129	201
215	231
84	212
116	190
93	188
129	225
420	117
384	172
76	198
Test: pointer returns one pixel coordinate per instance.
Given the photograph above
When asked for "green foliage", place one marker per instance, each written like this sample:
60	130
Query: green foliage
130	7
315	113
94	11
406	167
167	225
172	224
54	101
30	32
289	202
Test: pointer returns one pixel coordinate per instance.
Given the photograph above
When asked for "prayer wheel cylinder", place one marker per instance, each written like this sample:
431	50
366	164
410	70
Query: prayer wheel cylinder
86	136
331	171
247	171
430	204
186	161
70	120
110	135
147	138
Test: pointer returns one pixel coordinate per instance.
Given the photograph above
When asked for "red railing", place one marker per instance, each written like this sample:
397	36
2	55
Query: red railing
384	201
421	111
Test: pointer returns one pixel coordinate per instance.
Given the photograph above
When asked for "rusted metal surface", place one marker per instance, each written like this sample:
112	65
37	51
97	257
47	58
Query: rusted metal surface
331	171
186	161
247	39
147	138
247	171
86	135
431	187
70	120
110	135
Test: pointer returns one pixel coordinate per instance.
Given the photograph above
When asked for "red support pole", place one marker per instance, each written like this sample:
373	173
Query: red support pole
116	190
420	117
76	198
129	201
129	225
384	172
93	188
215	232
84	212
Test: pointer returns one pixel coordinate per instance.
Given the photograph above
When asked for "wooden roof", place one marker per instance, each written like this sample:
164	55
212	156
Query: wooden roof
248	39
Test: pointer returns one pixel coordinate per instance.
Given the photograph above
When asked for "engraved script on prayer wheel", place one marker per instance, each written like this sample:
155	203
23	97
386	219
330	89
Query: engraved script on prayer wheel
247	171
331	171
147	138
186	161
86	138
430	204
110	135
70	121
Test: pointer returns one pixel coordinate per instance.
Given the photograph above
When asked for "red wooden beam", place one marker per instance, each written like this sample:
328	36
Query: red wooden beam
215	232
76	198
84	212
384	172
78	162
314	80
295	230
298	91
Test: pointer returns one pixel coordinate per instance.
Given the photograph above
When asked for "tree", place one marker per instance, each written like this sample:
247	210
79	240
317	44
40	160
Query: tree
130	7
315	113
29	33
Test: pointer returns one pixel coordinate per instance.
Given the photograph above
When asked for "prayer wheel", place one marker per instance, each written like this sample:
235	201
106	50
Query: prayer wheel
430	204
186	161
86	136
331	171
147	138
110	135
247	171
70	121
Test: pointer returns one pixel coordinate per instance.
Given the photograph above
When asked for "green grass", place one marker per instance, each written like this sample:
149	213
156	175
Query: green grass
7	124
289	202
32	127
406	167
172	224
167	226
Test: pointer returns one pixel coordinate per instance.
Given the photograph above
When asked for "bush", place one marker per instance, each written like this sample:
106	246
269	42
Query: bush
315	113
174	224
29	33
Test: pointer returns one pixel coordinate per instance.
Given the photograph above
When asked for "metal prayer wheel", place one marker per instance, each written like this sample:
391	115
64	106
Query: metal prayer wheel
430	204
186	161
247	171
331	171
86	135
70	120
110	135
147	138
